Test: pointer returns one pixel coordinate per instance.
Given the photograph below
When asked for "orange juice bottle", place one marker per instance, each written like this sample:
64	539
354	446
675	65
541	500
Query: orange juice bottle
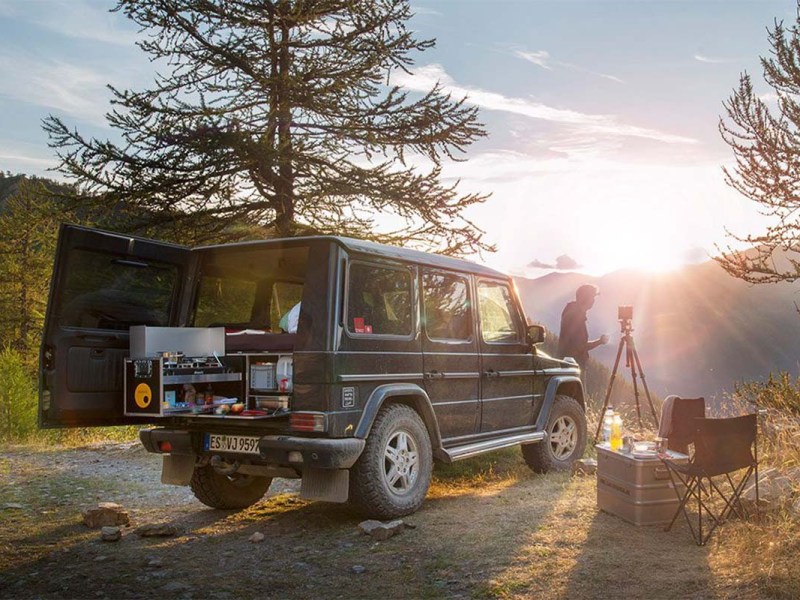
616	432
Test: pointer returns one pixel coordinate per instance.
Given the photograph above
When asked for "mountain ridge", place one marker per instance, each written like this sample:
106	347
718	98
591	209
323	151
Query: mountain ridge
697	329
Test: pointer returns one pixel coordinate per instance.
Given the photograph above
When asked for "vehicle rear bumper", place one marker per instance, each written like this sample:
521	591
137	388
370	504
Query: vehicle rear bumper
299	452
340	453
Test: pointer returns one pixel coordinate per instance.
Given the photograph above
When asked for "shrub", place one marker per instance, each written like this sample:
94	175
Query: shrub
18	397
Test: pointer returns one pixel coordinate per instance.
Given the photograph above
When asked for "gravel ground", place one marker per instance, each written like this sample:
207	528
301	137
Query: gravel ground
489	529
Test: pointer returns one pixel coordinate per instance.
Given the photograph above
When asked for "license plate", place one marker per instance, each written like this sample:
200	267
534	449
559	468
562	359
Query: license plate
241	444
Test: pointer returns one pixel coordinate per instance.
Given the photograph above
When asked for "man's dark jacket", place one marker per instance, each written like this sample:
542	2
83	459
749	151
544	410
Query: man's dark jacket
573	340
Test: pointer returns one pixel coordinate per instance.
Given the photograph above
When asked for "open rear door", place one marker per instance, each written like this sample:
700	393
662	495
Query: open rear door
103	283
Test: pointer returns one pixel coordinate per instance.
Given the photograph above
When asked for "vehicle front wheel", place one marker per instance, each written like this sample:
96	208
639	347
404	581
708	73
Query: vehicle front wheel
392	475
227	491
566	438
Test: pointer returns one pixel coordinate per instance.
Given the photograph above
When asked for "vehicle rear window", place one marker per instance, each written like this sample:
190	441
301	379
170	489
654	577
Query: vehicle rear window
224	301
379	300
107	292
447	307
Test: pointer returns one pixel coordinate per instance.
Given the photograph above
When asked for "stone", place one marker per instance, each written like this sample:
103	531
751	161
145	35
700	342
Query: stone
257	537
775	490
381	531
110	534
103	559
154	562
105	514
13	506
584	466
358	569
156	530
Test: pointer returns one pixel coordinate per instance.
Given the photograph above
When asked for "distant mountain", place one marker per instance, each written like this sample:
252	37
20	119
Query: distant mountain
698	330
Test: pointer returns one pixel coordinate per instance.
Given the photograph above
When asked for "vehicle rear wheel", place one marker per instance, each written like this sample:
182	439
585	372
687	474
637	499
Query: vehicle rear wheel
392	475
566	438
227	491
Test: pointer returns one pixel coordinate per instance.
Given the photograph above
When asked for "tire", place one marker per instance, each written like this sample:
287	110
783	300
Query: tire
227	491
393	473
566	438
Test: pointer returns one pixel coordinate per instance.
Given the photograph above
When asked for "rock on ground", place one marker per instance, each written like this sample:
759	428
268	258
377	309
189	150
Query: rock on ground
257	537
105	514
382	531
110	534
584	466
775	490
156	530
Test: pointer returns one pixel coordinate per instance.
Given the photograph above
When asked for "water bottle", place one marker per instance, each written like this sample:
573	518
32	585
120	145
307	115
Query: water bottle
607	418
616	433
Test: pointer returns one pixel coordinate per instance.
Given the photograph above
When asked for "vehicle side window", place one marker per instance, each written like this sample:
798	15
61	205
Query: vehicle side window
103	292
499	321
447	307
379	300
224	300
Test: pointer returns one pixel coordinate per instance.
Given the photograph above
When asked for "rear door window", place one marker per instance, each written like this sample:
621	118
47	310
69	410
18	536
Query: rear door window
379	300
447	307
224	301
101	291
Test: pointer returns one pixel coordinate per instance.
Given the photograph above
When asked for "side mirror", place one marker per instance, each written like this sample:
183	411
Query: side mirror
535	334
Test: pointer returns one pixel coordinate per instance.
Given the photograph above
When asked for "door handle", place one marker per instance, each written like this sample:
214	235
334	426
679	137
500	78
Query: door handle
491	373
434	375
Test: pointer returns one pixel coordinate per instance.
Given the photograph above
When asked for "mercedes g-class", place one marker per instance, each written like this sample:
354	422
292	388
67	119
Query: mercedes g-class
349	364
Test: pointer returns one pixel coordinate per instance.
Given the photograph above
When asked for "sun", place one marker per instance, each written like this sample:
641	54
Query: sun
643	250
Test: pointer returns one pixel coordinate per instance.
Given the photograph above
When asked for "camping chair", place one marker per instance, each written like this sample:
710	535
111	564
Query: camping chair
677	421
721	447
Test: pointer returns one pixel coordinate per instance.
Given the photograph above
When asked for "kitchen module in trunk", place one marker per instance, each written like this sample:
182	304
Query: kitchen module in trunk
349	364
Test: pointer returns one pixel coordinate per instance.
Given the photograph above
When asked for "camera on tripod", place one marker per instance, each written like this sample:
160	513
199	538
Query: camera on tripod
625	316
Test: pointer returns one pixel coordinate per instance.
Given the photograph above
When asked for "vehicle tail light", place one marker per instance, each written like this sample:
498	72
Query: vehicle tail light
165	447
307	421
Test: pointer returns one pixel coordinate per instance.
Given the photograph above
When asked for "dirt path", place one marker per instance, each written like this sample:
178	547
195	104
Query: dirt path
489	529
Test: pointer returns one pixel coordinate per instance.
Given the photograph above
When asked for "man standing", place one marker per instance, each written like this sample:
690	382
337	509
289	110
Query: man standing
573	340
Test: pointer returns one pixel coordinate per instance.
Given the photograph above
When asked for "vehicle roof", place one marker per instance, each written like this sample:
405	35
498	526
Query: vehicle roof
375	249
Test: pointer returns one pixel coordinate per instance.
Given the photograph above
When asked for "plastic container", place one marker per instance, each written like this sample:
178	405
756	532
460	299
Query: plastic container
607	418
262	376
283	373
616	433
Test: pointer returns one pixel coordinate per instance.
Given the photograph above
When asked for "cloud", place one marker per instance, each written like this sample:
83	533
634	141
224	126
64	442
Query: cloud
769	97
562	263
75	90
76	19
714	61
424	10
567	263
425	77
695	255
542	58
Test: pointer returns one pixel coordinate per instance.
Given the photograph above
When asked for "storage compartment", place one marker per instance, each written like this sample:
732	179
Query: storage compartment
638	490
179	372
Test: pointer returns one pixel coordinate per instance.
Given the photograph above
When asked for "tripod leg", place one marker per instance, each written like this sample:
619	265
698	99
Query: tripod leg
608	391
631	357
646	391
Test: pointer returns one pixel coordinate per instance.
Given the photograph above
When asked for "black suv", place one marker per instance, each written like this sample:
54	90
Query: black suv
350	364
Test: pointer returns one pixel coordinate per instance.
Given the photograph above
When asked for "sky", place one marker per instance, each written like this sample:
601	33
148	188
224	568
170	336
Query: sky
603	151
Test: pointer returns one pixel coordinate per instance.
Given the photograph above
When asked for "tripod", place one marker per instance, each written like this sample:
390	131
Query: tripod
631	361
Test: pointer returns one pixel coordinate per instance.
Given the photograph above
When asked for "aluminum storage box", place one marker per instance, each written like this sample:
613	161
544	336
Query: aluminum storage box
637	490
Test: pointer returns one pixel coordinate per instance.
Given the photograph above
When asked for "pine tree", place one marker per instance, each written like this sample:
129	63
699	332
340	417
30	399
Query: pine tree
28	229
766	145
280	115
